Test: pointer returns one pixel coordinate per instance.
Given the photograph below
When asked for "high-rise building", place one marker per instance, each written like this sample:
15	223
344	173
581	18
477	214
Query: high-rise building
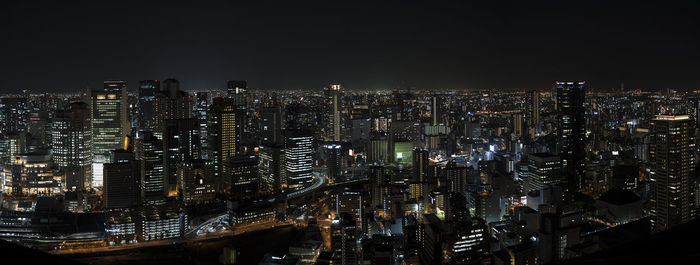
243	176
15	115
170	104
435	111
518	125
534	112
237	90
350	202
197	187
147	93
334	94
201	105
122	180
181	143
72	145
420	165
298	159
468	243
271	126
344	235
149	150
109	117
542	169
224	135
270	168
672	163
334	159
571	97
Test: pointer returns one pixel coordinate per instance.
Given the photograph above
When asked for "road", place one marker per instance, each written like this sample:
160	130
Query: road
320	181
174	241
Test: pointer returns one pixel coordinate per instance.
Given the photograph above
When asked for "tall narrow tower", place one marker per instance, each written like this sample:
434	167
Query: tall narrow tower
672	162
571	96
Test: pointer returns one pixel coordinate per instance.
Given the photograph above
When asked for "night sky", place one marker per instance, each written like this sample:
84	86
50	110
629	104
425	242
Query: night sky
57	46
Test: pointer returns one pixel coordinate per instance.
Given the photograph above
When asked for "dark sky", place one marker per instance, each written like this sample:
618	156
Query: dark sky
55	46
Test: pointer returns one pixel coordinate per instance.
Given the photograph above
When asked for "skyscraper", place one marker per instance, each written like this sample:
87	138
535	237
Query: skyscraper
334	95
15	115
298	158
121	180
237	90
109	122
271	126
72	145
169	104
180	144
542	169
147	92
225	130
672	162
149	150
534	112
199	112
109	117
571	131
420	165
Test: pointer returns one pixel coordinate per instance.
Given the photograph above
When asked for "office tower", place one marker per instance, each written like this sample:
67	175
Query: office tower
270	168
534	111
181	143
298	116
571	131
271	126
333	94
456	177
15	115
198	189
420	165
121	180
350	202
224	135
344	234
147	93
171	103
334	159
672	163
468	243
72	145
109	117
542	169
237	90
201	105
242	177
434	111
40	124
298	158
149	150
518	125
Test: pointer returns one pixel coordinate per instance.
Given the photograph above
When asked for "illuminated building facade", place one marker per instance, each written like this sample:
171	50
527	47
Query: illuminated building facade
298	158
198	189
15	114
149	150
109	117
72	145
672	163
543	169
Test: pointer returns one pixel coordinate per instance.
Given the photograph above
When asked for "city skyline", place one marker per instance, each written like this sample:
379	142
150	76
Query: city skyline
349	133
